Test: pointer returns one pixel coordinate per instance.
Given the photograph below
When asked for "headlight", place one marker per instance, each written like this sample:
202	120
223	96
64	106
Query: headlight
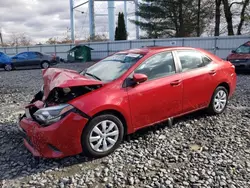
47	116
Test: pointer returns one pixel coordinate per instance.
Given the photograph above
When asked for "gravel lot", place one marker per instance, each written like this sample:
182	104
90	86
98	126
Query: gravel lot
198	151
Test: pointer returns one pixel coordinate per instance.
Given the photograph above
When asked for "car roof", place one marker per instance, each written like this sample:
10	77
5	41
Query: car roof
155	49
147	49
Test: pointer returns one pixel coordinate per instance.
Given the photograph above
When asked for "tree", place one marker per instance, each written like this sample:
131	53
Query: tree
173	18
19	39
229	15
243	16
217	17
120	31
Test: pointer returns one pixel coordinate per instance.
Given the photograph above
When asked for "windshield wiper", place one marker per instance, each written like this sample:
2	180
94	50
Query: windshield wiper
94	76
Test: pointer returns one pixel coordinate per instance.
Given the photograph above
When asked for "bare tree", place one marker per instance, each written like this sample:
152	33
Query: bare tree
19	39
242	16
217	17
229	15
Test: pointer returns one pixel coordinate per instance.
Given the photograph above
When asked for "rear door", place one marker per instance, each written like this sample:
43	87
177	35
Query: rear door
20	59
199	79
160	97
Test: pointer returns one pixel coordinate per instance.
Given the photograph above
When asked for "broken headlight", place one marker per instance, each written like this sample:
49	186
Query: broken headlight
49	115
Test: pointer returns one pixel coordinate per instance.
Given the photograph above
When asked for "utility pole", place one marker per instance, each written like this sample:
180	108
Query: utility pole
125	14
91	20
137	19
111	16
72	21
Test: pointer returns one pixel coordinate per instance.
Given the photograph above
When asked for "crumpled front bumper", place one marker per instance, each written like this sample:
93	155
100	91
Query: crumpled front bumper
58	140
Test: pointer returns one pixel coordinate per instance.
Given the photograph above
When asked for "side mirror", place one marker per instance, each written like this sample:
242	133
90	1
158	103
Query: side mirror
139	78
233	51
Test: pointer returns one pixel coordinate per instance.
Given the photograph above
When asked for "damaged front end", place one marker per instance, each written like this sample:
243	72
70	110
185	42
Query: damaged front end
60	87
63	95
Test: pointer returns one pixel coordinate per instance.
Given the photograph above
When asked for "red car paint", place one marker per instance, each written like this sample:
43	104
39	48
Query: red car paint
62	78
143	105
241	59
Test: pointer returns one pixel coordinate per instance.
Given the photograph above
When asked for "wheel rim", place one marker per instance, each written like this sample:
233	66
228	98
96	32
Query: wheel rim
104	136
220	100
8	67
45	65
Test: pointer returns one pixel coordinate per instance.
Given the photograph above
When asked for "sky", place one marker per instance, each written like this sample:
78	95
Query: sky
43	19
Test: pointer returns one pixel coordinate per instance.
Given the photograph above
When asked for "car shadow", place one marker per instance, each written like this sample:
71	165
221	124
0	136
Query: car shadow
17	162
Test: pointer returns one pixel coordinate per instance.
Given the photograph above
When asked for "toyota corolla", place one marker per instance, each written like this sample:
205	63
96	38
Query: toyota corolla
90	111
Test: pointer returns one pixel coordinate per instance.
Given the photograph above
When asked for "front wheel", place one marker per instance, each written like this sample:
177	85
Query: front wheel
102	136
45	65
8	67
219	101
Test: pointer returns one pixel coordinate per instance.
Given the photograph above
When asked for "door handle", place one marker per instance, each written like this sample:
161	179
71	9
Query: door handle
212	72
175	83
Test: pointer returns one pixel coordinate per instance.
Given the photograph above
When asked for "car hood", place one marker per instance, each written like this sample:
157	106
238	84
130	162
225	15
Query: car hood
64	78
234	56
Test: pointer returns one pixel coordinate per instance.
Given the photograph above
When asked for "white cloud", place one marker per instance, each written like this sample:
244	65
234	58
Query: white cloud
42	19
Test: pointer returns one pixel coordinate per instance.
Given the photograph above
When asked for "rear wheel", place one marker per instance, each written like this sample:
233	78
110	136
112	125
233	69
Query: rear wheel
8	67
219	101
45	65
102	135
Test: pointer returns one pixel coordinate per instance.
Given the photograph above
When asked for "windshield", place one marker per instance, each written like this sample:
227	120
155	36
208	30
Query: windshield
111	67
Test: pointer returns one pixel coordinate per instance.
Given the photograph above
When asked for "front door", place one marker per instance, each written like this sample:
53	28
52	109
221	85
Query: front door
158	98
198	74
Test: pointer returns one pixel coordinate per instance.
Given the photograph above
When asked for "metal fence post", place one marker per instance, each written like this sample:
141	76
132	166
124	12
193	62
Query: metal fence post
55	49
183	42
215	45
107	48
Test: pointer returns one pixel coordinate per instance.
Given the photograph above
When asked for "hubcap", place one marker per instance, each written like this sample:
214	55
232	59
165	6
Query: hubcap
104	136
8	67
45	65
220	100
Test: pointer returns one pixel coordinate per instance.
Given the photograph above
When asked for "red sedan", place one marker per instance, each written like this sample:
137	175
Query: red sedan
91	111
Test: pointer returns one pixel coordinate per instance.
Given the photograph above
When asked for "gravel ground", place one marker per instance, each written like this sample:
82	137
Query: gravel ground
197	151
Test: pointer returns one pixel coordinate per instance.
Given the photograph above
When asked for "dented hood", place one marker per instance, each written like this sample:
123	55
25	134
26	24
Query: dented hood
62	78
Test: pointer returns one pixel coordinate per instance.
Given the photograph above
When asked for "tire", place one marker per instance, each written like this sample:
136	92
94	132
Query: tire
112	142
217	107
8	67
45	65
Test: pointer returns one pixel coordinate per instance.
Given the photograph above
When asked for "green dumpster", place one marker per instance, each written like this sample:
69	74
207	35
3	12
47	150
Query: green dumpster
79	53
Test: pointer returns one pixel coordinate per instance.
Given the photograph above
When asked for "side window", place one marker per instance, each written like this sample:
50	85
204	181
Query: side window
22	55
32	55
206	60
38	55
244	49
191	59
159	65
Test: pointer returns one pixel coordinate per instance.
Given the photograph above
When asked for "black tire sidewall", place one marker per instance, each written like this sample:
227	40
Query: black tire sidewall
87	150
212	109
